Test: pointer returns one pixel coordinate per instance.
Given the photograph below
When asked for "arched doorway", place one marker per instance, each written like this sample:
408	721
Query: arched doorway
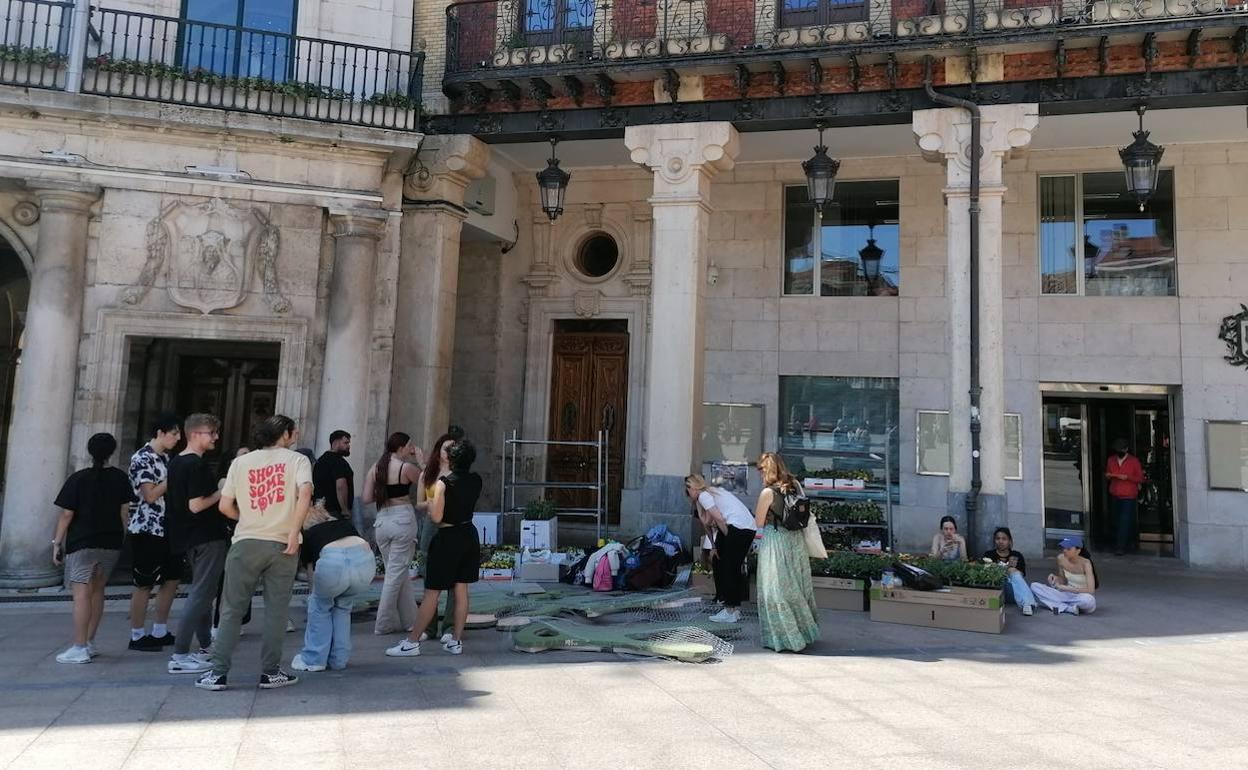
14	293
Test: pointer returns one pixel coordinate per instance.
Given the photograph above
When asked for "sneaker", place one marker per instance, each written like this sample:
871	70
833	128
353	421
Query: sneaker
202	654
1027	610
278	678
92	651
298	664
163	641
211	681
726	615
187	664
404	649
290	625
453	646
74	654
1056	610
1074	610
145	643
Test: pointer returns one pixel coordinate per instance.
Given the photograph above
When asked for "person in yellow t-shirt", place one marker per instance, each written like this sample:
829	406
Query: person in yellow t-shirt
268	491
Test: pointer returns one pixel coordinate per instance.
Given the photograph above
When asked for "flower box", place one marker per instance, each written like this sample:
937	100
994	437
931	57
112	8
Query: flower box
833	593
957	609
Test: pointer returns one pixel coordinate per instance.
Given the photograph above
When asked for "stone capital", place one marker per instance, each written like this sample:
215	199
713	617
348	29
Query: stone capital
945	135
68	197
683	156
358	223
444	166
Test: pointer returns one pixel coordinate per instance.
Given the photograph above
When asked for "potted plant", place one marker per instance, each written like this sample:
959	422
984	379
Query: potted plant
539	529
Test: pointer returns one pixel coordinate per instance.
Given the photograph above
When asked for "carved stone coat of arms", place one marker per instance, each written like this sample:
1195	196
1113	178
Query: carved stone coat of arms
211	250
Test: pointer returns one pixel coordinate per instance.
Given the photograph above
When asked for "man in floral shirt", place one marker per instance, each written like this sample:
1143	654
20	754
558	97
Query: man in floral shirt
153	562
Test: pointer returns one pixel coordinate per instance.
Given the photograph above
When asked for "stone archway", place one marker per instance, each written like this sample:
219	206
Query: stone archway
14	293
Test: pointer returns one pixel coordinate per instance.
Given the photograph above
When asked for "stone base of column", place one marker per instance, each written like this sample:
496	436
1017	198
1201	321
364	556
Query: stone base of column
990	514
663	501
31	577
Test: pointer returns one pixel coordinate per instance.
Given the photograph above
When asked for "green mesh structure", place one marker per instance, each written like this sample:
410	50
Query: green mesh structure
692	642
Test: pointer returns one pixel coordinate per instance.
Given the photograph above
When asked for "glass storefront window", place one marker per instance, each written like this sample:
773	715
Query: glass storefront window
862	220
846	423
1094	240
933	444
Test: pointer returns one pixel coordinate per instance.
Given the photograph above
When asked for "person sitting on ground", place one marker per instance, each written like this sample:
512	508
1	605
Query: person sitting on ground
1003	553
454	554
1073	590
95	508
948	544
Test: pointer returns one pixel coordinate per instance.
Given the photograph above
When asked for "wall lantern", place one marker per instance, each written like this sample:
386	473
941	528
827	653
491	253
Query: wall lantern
1139	162
820	173
552	183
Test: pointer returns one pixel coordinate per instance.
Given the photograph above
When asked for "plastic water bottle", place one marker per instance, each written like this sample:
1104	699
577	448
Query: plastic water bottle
887	580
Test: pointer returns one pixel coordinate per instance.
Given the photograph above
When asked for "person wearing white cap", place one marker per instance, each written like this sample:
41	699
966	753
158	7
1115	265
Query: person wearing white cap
1073	590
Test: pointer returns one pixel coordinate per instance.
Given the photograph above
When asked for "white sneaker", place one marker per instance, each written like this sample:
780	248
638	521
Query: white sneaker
74	654
91	650
290	625
452	645
187	664
202	655
1074	610
404	649
298	664
1027	610
726	615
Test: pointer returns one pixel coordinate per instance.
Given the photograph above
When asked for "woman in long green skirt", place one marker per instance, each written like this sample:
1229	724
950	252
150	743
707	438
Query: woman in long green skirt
786	598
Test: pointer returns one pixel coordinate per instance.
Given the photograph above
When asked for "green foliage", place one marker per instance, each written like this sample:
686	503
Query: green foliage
394	99
865	566
847	564
162	71
961	573
539	509
860	512
25	55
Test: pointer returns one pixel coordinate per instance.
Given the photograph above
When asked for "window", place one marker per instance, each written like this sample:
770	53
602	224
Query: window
811	13
860	222
549	21
240	38
933	445
1094	239
1226	446
835	421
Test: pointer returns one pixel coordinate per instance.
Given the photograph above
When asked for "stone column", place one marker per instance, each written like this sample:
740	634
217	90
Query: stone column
944	135
348	343
43	403
424	335
684	157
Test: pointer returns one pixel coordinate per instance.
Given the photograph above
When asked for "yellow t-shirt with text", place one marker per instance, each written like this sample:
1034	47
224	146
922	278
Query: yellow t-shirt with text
265	485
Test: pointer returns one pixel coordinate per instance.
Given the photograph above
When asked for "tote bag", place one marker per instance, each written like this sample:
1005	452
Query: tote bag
814	541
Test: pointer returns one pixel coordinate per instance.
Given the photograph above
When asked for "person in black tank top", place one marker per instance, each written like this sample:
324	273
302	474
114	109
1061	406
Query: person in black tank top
454	554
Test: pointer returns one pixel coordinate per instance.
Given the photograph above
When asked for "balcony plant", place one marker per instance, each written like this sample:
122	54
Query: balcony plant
539	509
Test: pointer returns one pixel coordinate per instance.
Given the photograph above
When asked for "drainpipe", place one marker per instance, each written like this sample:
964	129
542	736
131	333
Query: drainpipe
972	497
77	53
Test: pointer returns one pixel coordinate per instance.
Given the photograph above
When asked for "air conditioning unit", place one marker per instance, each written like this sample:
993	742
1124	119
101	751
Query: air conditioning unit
479	196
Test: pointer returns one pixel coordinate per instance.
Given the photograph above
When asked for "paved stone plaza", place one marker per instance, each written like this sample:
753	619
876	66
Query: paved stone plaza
1152	680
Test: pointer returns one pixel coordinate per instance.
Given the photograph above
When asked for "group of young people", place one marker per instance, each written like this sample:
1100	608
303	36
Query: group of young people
1070	590
255	524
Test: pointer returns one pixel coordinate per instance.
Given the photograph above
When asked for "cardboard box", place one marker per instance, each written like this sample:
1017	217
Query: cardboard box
539	572
958	609
539	535
840	593
486	525
497	574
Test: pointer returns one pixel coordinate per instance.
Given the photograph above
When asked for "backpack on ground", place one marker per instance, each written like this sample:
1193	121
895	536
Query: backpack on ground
795	514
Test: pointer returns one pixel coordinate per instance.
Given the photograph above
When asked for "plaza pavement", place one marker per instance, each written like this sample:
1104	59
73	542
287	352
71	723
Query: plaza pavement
1155	679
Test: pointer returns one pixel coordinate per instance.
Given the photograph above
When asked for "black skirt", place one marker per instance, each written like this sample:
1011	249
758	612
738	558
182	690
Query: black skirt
454	557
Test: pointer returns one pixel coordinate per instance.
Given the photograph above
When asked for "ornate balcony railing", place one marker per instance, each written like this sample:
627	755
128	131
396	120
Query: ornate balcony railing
179	61
499	34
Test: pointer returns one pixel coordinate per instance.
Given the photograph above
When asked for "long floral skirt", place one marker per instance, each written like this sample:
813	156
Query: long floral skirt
786	598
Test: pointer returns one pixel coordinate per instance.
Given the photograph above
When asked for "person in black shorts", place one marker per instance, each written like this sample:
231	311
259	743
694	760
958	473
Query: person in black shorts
454	553
153	562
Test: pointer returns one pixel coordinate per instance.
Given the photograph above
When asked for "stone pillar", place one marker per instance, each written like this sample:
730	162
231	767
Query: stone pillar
43	405
944	135
424	335
684	157
349	340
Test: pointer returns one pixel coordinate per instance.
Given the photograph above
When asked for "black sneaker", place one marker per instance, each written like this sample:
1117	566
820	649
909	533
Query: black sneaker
278	678
146	643
211	681
163	641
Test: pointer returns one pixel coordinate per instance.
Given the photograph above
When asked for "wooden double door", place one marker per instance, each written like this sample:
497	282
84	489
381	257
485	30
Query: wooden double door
588	394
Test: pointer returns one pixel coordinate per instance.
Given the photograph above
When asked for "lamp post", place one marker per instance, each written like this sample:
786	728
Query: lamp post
871	256
1140	161
552	184
820	173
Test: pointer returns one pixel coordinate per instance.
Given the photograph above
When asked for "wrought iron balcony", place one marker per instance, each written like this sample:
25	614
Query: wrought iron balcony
178	61
485	35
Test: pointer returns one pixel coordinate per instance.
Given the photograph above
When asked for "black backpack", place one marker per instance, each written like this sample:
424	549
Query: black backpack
795	513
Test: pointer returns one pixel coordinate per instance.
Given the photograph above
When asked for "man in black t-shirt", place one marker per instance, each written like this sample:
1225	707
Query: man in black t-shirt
332	478
196	527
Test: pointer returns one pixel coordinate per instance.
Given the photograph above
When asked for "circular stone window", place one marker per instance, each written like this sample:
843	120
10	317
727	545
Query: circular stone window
597	256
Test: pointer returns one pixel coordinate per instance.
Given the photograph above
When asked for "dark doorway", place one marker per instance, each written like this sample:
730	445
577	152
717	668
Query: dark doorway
236	381
1079	432
14	293
588	393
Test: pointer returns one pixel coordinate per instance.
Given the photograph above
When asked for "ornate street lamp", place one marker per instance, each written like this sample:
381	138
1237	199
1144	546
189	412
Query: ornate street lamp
871	256
552	183
1139	162
820	173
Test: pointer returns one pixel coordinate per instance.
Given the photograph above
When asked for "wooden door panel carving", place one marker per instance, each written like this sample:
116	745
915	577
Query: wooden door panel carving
589	392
